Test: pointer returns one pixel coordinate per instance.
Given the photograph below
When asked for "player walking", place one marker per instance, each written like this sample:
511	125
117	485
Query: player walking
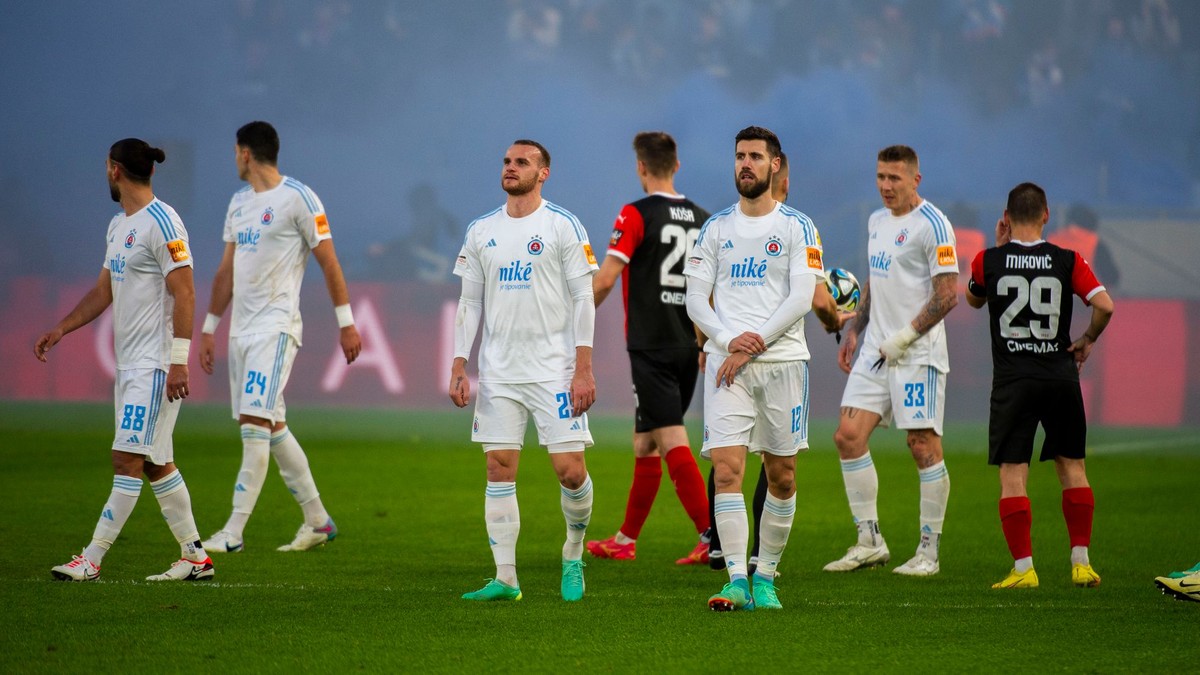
901	372
759	262
147	278
1027	284
270	227
526	271
649	242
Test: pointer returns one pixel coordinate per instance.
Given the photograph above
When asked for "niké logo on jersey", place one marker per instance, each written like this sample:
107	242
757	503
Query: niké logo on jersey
749	268
880	261
248	237
116	265
516	271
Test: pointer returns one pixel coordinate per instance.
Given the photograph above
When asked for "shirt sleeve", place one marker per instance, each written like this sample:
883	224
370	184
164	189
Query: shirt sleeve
108	239
173	254
468	265
1083	280
310	217
806	241
227	234
941	246
627	235
578	259
702	262
976	283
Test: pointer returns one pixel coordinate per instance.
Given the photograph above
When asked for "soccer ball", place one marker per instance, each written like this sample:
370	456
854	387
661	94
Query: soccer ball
844	288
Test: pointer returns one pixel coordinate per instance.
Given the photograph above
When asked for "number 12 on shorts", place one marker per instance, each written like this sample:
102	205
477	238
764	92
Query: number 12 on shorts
797	418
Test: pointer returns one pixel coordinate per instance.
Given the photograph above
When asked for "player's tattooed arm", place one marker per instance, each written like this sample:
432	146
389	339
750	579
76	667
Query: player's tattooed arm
944	298
864	311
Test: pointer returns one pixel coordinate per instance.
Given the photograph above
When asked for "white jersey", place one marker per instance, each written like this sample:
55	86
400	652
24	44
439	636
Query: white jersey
524	265
274	231
751	262
142	250
904	254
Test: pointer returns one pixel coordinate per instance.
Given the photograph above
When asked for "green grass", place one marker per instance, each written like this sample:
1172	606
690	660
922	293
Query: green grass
406	489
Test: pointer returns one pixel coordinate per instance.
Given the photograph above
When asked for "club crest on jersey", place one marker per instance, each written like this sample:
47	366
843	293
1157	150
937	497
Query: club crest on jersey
535	245
130	238
774	246
268	216
475	426
902	237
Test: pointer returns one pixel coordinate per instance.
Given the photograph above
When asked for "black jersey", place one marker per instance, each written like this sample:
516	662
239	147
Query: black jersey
653	236
1029	289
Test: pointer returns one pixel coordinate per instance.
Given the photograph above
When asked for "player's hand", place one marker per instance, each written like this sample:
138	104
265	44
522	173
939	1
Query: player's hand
730	366
894	347
846	351
46	343
460	384
208	349
351	343
703	360
1003	233
583	391
842	318
177	382
1082	349
750	343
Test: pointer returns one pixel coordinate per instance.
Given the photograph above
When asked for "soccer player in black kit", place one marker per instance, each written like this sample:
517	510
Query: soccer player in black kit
1027	284
650	240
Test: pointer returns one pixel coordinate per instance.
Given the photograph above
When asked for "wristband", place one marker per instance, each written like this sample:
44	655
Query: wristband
210	323
345	317
179	351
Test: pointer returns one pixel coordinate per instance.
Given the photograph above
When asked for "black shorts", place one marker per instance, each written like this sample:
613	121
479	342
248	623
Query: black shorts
663	383
1018	407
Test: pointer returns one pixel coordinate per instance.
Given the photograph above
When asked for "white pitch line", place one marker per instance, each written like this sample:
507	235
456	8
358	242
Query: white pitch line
1133	446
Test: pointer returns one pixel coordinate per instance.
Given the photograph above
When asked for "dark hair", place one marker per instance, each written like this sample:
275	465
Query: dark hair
900	153
541	148
137	157
656	149
760	134
1026	203
261	139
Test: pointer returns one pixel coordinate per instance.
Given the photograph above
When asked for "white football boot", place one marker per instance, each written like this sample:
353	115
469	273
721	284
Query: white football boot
79	569
223	541
308	537
861	557
186	570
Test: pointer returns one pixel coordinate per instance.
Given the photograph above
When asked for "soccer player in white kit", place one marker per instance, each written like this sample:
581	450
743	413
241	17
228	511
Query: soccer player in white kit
271	226
760	262
526	271
147	278
900	374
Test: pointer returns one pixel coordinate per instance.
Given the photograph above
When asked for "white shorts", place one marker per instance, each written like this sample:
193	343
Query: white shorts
259	367
910	394
502	412
145	418
766	409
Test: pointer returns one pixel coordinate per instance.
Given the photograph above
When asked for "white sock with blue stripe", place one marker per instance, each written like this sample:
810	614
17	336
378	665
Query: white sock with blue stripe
577	511
935	493
116	511
293	467
256	458
776	525
862	491
176	504
733	527
503	518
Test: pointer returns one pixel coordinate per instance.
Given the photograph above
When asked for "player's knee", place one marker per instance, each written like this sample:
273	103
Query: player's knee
850	442
926	447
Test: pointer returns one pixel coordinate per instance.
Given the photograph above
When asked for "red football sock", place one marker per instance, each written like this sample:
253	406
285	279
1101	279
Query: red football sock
689	485
1016	518
647	474
1078	505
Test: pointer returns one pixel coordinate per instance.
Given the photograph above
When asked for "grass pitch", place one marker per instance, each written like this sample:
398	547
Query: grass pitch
406	489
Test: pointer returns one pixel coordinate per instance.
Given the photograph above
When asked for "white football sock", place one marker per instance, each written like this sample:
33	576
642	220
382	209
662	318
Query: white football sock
116	511
774	529
734	530
256	453
935	492
176	504
577	511
862	491
293	467
1079	555
1023	565
503	518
